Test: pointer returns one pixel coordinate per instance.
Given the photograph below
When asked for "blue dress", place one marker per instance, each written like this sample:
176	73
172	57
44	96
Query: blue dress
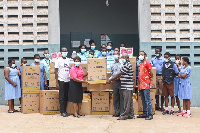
42	68
12	92
176	84
185	89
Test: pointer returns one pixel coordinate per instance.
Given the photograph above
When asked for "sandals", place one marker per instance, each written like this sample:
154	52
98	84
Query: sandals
80	115
16	111
76	116
10	111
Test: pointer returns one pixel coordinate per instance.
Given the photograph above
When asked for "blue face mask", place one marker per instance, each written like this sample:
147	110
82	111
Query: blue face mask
93	47
157	55
83	50
64	54
116	57
104	53
123	60
77	63
47	56
166	60
109	47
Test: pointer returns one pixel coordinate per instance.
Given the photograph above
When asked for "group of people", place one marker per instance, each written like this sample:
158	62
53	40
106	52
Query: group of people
172	78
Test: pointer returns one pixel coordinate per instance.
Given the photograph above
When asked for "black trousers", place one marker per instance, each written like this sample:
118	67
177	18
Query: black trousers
63	95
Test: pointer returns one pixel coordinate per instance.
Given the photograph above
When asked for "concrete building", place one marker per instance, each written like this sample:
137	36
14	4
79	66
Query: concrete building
30	26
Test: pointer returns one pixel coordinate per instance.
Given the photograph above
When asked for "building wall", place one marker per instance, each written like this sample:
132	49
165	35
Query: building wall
173	25
23	22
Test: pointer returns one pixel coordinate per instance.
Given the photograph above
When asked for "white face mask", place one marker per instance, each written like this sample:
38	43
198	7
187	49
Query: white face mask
141	57
13	66
24	65
177	61
37	60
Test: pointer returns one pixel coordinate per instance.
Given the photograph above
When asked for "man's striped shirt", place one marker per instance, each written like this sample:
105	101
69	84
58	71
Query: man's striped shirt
127	76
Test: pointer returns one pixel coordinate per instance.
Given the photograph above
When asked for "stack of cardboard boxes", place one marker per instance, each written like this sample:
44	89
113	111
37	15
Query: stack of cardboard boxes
30	84
52	79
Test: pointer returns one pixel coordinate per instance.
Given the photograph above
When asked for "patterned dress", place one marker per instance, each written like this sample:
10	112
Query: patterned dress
185	89
12	92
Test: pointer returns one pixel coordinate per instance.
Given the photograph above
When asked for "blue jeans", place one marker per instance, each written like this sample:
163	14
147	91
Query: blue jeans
146	101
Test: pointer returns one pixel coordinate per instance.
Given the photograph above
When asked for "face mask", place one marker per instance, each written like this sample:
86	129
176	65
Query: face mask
109	47
177	61
146	58
116	57
93	47
104	53
24	65
77	63
64	54
166	60
157	55
13	66
37	60
123	60
90	56
141	57
47	56
83	50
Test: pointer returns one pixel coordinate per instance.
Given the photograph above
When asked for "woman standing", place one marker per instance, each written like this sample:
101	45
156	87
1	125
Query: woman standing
43	80
12	84
75	86
185	90
82	52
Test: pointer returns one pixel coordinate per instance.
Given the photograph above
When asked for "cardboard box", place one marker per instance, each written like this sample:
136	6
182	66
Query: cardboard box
135	106
97	70
49	102
100	102
153	83
52	80
112	110
52	70
86	105
30	78
52	65
30	102
140	107
101	87
133	61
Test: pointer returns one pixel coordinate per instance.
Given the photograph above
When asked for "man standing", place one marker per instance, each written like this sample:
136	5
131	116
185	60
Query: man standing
169	71
62	75
117	95
157	62
145	78
46	61
126	78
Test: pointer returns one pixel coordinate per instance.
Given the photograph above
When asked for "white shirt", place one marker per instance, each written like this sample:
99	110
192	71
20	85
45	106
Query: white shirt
63	66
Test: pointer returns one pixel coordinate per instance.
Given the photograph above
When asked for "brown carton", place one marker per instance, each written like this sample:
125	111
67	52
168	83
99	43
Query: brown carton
31	102
100	102
52	70
153	83
86	105
140	107
133	61
112	110
52	65
52	80
49	102
97	70
30	78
